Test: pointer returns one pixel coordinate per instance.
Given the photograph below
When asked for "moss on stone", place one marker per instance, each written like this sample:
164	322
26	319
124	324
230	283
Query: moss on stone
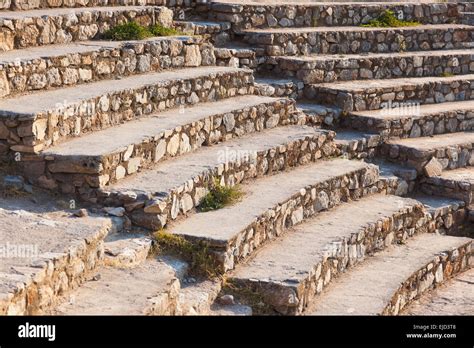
387	19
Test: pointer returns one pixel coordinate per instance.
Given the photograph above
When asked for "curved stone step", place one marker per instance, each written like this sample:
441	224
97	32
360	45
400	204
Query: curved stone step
104	157
25	5
276	87
272	204
432	155
175	187
457	183
64	65
331	68
289	272
36	121
149	289
354	40
456	297
22	29
411	121
385	283
363	95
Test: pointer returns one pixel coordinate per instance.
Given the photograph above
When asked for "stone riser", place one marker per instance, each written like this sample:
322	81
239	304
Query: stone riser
441	268
333	14
51	126
291	212
341	255
376	40
79	174
102	64
413	127
280	89
376	98
59	274
24	5
69	27
448	188
241	58
450	157
332	70
154	212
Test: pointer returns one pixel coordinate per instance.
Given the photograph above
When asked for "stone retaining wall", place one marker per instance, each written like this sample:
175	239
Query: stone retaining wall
70	120
341	255
375	40
237	58
360	99
102	63
246	16
458	189
74	175
155	211
75	26
442	267
404	126
331	69
451	157
279	88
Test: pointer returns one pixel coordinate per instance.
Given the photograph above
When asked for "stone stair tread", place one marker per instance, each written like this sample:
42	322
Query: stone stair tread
460	174
368	288
220	226
46	12
301	30
133	132
438	141
323	57
30	104
289	259
424	110
175	172
121	291
437	204
454	298
361	85
344	136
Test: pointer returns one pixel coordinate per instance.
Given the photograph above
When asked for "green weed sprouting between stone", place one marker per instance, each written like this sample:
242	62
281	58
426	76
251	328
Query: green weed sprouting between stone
201	261
387	19
220	196
446	74
135	31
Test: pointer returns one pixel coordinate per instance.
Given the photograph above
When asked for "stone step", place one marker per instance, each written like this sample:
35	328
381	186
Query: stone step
36	121
320	115
269	13
276	87
63	65
289	272
354	144
22	29
25	5
235	54
330	68
126	250
432	155
217	32
102	158
454	298
457	183
412	121
386	283
363	95
48	254
149	289
399	180
173	188
356	40
233	233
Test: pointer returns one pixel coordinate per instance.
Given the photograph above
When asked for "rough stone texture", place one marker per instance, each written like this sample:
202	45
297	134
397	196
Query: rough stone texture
235	56
410	122
42	27
374	94
272	87
97	159
174	188
123	250
356	40
35	4
386	283
233	233
330	68
295	268
149	289
457	183
37	121
270	14
71	64
320	115
351	144
450	150
58	255
455	297
215	32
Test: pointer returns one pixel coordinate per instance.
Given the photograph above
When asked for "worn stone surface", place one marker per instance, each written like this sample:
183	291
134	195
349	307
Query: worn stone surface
457	183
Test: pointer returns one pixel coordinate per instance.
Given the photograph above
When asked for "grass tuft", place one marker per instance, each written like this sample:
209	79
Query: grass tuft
220	196
387	19
135	31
